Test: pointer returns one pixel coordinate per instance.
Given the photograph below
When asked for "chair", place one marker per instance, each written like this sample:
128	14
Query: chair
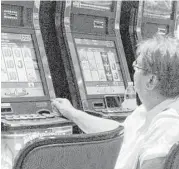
82	151
172	160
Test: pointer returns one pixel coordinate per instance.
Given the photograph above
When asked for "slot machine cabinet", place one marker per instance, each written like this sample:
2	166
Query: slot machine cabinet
96	51
26	81
26	84
155	17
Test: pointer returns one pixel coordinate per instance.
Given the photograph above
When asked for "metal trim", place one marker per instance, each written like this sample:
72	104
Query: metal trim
120	50
67	24
139	21
176	18
41	48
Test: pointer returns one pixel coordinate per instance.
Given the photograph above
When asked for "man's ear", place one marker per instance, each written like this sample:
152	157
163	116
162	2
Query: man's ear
152	82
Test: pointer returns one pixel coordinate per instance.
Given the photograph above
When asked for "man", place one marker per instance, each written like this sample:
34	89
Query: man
152	129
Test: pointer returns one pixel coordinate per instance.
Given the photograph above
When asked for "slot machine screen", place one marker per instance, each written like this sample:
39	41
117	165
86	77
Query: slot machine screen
158	9
20	73
100	67
94	5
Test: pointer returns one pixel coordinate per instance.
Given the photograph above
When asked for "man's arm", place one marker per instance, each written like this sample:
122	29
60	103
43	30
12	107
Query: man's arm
86	122
92	124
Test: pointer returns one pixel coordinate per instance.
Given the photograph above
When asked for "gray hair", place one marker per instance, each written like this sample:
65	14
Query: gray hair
160	56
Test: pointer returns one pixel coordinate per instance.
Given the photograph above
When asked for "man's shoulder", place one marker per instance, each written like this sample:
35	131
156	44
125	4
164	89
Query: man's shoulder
160	135
169	115
165	124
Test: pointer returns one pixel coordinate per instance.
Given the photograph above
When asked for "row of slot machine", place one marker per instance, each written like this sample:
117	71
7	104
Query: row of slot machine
80	50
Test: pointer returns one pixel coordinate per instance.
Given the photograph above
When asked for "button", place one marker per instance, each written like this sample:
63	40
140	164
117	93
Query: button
9	118
23	117
2	117
30	116
105	111
43	117
16	117
49	115
36	116
116	110
39	116
33	115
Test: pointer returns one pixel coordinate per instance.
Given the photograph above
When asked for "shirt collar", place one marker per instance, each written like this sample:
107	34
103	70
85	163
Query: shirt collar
168	103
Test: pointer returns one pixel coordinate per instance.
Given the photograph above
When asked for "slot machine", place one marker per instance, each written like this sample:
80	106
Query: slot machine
91	30
26	84
156	17
142	20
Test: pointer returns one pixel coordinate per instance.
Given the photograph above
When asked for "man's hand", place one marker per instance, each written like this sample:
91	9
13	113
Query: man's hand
63	106
86	122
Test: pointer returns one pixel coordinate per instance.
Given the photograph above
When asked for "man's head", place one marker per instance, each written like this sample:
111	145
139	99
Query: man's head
157	67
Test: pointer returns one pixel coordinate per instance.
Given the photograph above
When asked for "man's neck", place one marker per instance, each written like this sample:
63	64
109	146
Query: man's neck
151	102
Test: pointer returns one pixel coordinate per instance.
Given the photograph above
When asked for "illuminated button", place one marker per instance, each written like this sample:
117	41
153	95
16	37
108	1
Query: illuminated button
43	117
49	115
9	118
110	111
105	111
36	116
40	116
115	110
30	117
16	117
23	117
2	117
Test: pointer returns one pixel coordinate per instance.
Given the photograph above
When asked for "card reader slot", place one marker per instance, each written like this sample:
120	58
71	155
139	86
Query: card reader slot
98	24
98	105
112	101
11	14
6	109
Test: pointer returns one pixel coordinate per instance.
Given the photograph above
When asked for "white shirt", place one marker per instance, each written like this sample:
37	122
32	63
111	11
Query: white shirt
148	135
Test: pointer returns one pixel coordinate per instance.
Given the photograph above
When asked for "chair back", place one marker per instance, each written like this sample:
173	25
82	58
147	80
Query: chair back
82	151
172	160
